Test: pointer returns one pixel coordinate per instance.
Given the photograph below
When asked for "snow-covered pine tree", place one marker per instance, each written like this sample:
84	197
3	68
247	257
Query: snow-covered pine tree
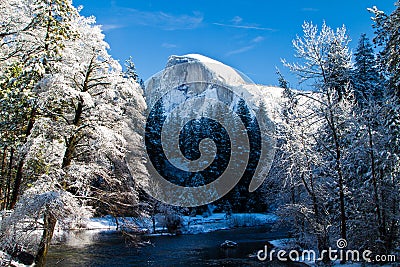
366	78
130	70
282	82
387	38
365	179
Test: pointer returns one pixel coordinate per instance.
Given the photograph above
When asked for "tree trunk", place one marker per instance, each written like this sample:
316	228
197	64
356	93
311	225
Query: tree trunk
9	177
381	227
116	222
394	224
3	176
343	228
17	184
49	226
69	152
73	140
153	220
338	169
384	210
18	176
31	122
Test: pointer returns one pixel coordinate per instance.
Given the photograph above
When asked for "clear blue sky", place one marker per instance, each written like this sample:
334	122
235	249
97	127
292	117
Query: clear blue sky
251	36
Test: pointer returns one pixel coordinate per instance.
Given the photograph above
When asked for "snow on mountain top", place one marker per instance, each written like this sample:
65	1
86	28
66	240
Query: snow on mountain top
195	67
202	58
221	71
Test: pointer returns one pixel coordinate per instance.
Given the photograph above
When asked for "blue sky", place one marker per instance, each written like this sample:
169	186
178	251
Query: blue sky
251	36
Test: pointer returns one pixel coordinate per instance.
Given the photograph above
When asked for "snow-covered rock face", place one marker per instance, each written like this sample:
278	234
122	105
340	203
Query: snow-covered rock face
218	70
193	87
175	60
192	68
182	70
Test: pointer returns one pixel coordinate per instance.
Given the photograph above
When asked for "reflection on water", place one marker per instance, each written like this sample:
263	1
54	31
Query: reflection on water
111	249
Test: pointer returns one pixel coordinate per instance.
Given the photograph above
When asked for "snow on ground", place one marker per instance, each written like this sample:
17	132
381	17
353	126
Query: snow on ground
102	223
191	224
5	260
280	243
219	221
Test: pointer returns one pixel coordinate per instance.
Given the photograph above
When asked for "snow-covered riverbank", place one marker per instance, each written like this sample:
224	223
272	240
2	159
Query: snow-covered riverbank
190	224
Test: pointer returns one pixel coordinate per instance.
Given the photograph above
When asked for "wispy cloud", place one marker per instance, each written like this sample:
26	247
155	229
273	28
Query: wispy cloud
237	22
258	39
109	27
251	43
244	27
309	9
168	45
162	20
240	50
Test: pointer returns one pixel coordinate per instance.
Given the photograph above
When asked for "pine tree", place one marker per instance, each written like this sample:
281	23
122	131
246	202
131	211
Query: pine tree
366	78
153	136
282	82
387	37
130	70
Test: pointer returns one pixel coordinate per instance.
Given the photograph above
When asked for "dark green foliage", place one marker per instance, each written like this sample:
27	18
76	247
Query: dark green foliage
192	133
366	78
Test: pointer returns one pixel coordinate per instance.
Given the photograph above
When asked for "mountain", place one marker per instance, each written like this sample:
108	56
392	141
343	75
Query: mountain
196	68
196	98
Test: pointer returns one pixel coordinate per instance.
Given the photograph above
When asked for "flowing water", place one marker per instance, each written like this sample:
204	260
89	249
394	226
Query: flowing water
111	249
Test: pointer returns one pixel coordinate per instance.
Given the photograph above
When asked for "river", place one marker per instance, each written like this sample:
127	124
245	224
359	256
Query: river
111	249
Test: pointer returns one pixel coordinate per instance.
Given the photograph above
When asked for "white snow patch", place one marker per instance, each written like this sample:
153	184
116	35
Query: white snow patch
224	73
102	223
191	224
280	243
202	58
5	260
